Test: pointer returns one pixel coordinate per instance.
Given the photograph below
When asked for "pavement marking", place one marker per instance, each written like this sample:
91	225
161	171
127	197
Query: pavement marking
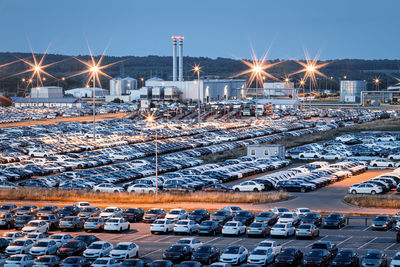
165	238
141	237
366	228
290	241
390	246
369	242
310	245
236	241
151	252
211	240
344	240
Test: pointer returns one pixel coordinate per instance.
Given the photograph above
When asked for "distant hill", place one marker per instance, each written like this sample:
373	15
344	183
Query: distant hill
151	66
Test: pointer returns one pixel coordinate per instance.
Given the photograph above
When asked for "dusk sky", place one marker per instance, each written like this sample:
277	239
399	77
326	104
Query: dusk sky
366	29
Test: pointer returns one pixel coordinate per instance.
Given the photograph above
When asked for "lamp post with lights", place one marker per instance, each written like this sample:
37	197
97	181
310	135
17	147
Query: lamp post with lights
196	69
376	81
257	72
94	70
150	119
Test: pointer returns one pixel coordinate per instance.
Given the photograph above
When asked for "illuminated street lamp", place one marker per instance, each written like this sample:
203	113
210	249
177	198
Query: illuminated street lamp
150	119
197	69
376	81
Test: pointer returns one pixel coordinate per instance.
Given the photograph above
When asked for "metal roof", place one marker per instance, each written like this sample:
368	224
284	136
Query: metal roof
45	100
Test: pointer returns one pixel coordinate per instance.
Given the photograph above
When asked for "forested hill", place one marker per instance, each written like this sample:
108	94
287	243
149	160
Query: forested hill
156	66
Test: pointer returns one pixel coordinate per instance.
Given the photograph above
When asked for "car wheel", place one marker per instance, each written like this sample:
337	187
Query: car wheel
120	229
255	190
354	192
374	165
303	190
116	191
390	165
373	192
214	233
237	190
137	254
281	189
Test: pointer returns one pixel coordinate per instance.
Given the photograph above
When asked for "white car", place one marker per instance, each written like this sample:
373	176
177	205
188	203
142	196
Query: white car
82	204
289	217
125	250
20	260
234	255
10	236
61	238
36	226
191	242
19	246
117	224
97	249
395	260
394	156
44	247
176	215
261	256
276	248
386	138
310	154
161	226
233	228
110	212
36	236
248	186
107	188
302	211
40	154
365	188
141	188
382	163
279	210
105	262
282	230
333	156
186	227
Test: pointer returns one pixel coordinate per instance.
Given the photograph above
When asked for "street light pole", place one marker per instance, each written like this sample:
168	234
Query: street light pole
94	107
156	167
198	95
256	99
310	95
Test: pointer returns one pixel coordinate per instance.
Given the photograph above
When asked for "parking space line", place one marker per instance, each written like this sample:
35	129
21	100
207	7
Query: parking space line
165	238
141	237
290	241
151	252
235	241
338	244
369	242
366	228
390	246
212	240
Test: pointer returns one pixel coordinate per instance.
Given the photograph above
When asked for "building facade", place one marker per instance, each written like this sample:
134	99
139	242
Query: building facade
47	92
266	151
350	91
69	102
87	92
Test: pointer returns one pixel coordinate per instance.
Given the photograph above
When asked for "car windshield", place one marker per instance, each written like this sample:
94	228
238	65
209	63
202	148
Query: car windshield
265	244
71	260
182	223
380	218
15	258
68	219
159	222
334	216
88	209
70	245
175	212
242	213
260	252
43	259
322	246
34	224
159	264
287	215
175	249
206	223
100	261
131	263
42	244
315	253
287	252
344	254
203	249
18	243
232	250
109	210
184	241
231	224
264	214
152	211
279	226
25	208
257	225
311	215
95	246
92	220
220	213
46	208
56	237
68	208
113	221
121	247
197	212
25	217
396	257
373	256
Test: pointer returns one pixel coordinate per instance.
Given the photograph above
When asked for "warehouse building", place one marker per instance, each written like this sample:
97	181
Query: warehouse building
47	92
350	91
121	88
87	92
69	102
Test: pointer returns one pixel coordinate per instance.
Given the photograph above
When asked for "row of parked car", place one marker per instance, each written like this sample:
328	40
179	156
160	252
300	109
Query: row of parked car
378	185
379	149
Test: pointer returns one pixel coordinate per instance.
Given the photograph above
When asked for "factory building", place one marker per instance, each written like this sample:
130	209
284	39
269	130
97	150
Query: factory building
68	102
87	92
350	91
210	90
47	92
121	88
280	90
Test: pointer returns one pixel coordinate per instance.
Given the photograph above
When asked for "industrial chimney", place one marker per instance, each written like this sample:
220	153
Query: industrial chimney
174	67
180	58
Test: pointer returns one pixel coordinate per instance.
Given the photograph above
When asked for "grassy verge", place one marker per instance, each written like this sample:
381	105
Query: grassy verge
293	141
28	194
376	201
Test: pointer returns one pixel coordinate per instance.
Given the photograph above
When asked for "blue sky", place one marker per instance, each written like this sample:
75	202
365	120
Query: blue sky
363	29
